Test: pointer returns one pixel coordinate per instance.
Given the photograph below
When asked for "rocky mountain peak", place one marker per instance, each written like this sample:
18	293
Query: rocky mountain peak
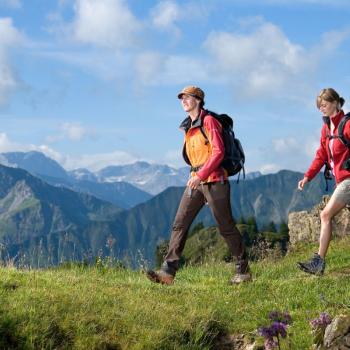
18	195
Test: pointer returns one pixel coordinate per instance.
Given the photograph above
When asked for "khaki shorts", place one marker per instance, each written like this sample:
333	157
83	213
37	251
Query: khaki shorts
342	192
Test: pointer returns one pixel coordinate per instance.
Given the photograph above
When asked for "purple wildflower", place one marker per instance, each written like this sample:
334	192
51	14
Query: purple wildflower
322	321
283	317
266	332
279	328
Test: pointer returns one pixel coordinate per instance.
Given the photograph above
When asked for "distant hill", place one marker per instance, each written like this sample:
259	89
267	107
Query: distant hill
267	198
122	194
61	222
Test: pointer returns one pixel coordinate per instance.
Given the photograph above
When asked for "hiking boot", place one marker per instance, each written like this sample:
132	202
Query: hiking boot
315	265
242	273
241	277
160	277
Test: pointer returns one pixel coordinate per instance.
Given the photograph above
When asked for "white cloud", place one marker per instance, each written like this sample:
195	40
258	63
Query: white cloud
71	131
14	4
311	145
287	145
174	158
108	27
328	44
92	162
6	145
290	147
259	62
104	64
105	23
74	132
95	162
165	15
287	153
49	152
156	69
270	168
10	37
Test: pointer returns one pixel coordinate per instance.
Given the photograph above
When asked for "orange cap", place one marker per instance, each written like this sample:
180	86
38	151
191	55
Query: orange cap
193	91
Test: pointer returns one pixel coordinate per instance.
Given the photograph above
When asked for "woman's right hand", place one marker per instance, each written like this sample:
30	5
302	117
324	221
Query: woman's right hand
302	183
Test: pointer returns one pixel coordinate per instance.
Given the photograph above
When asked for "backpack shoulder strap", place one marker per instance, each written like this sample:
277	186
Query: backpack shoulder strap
204	134
224	119
202	126
341	126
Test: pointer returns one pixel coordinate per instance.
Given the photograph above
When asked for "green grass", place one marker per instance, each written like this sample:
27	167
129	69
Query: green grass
88	308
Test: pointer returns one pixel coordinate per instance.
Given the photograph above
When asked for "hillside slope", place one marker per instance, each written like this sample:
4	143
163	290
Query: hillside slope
105	308
39	219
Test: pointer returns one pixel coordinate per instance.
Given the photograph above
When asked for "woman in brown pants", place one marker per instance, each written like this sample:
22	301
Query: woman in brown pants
208	184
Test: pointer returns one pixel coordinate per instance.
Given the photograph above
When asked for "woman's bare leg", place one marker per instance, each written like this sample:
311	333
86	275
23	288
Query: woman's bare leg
332	208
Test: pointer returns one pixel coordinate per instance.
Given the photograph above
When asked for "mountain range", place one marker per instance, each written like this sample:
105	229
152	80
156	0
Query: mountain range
52	223
122	194
124	185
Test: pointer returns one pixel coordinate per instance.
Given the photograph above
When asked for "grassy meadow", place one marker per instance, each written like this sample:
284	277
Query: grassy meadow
99	308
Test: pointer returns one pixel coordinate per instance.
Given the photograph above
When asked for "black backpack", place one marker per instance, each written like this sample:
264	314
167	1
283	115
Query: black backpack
234	158
346	165
341	126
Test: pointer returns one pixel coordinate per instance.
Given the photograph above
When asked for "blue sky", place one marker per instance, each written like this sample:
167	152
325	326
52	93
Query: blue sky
93	83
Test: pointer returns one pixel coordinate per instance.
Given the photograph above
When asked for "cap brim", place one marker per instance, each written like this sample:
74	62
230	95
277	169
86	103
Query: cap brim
186	93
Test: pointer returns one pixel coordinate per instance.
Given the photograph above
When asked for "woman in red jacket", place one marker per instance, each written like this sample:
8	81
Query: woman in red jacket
335	153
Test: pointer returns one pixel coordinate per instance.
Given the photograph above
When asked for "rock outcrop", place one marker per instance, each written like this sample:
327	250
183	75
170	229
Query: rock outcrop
304	226
337	334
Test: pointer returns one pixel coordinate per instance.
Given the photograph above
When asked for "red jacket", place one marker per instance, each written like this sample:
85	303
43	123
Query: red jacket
339	153
199	153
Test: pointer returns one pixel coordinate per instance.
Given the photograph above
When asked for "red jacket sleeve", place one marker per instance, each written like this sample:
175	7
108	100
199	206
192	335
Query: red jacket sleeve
320	158
213	129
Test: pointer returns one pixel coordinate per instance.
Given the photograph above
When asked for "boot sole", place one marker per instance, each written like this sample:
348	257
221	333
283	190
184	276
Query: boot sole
305	269
155	278
246	279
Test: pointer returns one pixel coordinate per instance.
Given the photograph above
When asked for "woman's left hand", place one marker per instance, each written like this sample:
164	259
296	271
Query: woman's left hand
194	182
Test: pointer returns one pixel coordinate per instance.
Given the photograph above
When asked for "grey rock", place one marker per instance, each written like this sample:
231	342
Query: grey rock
304	226
337	334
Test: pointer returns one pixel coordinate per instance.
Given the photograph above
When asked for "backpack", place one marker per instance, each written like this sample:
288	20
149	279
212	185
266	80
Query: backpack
344	140
341	126
234	157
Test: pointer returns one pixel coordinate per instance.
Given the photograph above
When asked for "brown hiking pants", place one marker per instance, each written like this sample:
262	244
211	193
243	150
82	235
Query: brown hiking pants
217	195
